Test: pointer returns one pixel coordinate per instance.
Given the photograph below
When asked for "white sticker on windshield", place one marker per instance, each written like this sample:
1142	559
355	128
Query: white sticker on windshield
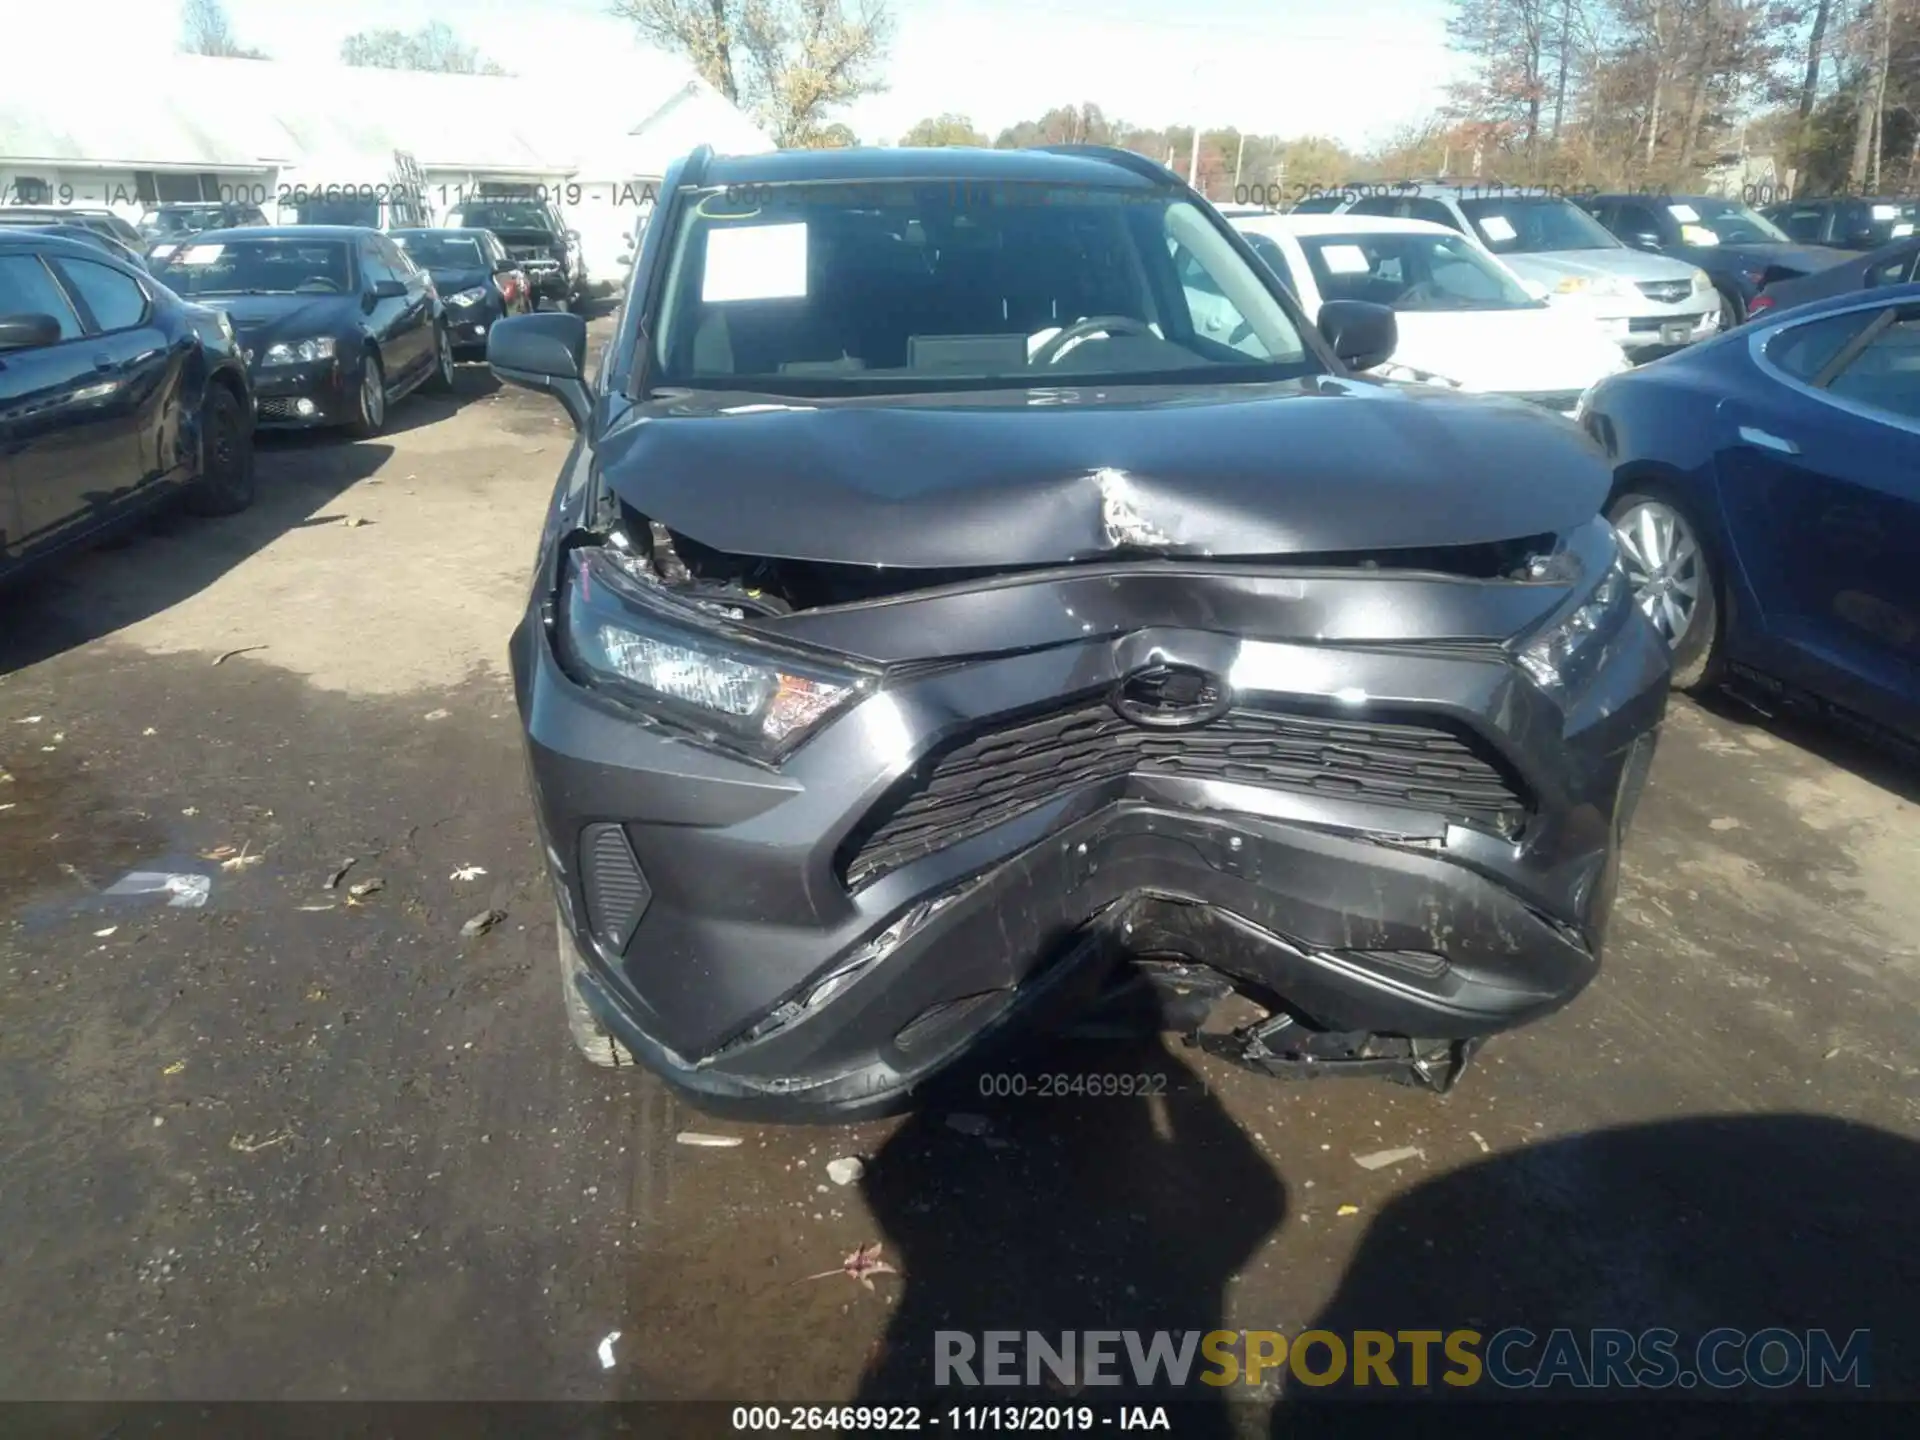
1685	214
756	262
201	254
1698	235
1498	227
160	252
1885	212
1903	229
1345	259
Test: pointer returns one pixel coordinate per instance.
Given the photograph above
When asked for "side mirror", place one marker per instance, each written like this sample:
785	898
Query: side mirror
389	290
1536	289
28	332
1363	335
545	351
1644	240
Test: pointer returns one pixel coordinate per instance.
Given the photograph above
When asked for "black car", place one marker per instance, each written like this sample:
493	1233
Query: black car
478	282
92	238
1893	264
1767	489
935	630
1848	222
1738	248
115	396
536	238
102	221
175	222
337	323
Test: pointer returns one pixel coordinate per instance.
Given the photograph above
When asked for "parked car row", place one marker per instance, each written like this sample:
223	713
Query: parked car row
123	387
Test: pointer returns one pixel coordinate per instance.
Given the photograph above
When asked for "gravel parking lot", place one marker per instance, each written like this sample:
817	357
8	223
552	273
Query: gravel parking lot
302	1143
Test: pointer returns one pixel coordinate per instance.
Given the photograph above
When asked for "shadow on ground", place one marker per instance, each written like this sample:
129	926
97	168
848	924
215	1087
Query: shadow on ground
1886	761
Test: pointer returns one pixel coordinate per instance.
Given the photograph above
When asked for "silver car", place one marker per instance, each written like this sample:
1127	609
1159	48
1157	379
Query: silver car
1644	302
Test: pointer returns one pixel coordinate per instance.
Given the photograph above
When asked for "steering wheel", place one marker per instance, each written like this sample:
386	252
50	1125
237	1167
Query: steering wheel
1081	329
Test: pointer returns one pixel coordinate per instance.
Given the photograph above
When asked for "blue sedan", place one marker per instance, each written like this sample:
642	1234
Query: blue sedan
1767	494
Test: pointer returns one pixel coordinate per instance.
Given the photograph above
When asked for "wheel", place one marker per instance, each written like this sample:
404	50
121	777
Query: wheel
225	483
1673	579
594	1043
441	381
371	416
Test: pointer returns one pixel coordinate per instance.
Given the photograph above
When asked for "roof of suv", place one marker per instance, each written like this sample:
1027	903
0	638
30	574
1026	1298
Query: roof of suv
1342	225
1089	166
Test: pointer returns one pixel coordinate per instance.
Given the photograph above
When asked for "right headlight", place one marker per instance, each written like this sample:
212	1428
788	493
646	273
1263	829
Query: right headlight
1563	654
299	352
683	664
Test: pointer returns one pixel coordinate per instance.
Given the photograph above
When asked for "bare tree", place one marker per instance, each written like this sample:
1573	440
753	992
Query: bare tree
1816	46
433	47
205	30
787	62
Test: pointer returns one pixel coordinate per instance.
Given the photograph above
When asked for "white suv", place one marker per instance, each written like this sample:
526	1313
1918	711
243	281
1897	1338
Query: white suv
1644	302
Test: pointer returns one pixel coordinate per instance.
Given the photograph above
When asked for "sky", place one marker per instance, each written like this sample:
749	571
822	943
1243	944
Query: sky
1354	70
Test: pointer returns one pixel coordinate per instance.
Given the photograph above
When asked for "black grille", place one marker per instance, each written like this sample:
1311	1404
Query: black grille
277	408
992	778
1666	292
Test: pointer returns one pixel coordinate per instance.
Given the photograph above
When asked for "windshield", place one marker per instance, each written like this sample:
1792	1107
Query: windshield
443	252
1513	225
1726	222
896	285
259	267
1412	272
338	210
502	215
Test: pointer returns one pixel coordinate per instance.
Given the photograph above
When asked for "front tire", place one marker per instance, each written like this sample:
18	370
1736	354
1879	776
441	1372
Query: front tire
594	1044
441	381
371	416
225	483
1674	582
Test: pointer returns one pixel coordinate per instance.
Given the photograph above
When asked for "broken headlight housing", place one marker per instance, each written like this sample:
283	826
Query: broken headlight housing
1562	656
682	663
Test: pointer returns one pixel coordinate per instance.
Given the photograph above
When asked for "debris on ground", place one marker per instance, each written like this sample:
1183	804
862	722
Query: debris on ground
340	872
481	924
436	715
247	1145
183	892
103	934
191	811
1381	1159
229	858
243	650
467	872
362	889
1478	1139
175	1068
968	1124
845	1170
711	1142
28	720
862	1265
1348	1210
606	1349
149	731
311	909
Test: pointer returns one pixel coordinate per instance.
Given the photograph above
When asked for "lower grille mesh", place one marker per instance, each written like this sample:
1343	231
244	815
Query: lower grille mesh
992	778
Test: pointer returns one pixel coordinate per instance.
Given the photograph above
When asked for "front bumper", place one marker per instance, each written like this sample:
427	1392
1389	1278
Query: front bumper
1344	898
467	328
1642	326
304	397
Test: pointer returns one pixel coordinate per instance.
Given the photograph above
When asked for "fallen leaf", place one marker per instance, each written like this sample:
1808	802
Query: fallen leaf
1348	1210
862	1265
481	924
103	934
365	888
436	715
190	811
149	731
467	872
175	1068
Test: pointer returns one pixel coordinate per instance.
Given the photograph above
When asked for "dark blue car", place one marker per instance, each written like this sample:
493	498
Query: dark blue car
1767	491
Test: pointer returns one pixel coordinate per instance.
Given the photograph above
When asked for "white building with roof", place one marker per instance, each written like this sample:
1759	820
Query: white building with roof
193	127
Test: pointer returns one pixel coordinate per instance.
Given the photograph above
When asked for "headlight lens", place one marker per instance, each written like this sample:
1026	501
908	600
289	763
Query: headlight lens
472	296
299	352
685	665
1563	656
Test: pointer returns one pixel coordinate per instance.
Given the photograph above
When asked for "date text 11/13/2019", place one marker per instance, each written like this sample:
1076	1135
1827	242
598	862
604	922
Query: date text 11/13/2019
1032	1419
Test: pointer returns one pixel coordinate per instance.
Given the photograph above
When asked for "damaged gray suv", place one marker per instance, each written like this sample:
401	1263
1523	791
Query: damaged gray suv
977	594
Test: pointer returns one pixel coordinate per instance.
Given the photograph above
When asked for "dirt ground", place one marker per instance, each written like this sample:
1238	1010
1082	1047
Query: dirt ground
289	1146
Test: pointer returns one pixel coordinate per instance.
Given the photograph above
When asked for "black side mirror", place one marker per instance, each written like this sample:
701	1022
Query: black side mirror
546	351
389	290
1363	335
28	332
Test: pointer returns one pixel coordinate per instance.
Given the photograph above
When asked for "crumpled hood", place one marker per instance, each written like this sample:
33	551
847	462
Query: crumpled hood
1046	477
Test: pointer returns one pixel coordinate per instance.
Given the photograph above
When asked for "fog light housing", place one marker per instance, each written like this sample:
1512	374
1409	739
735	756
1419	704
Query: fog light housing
305	409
